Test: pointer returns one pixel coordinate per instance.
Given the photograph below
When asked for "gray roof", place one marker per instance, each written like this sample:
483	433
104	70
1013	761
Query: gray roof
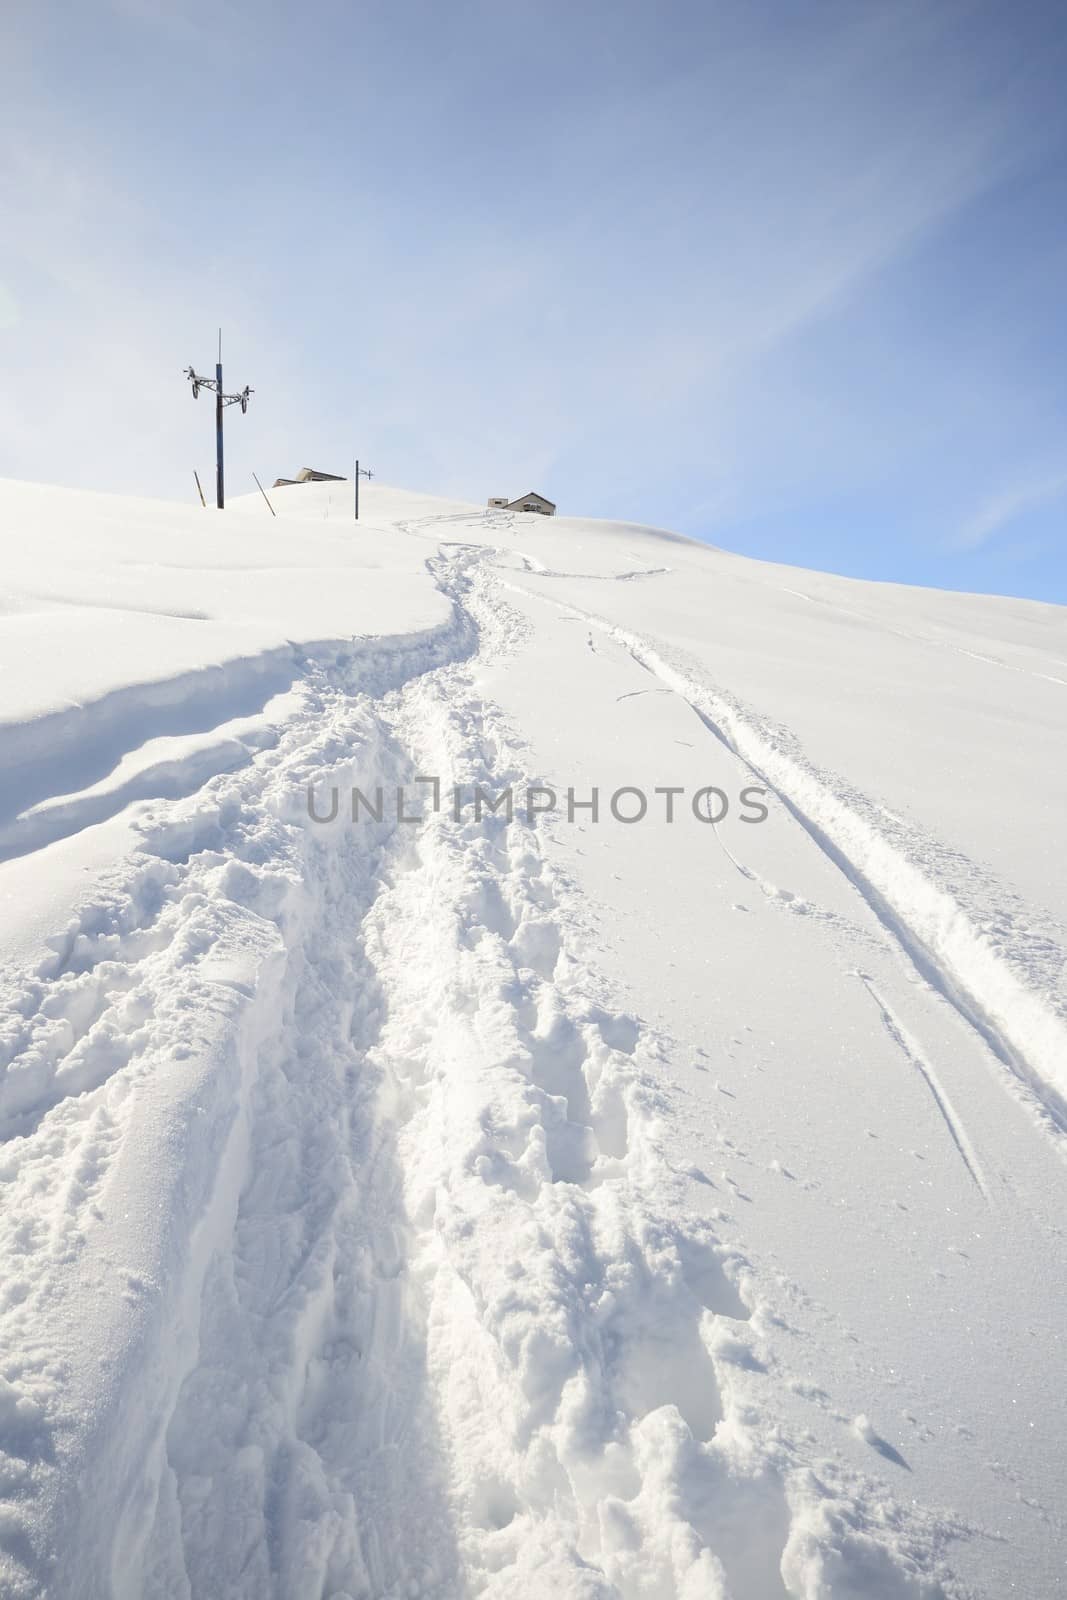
532	494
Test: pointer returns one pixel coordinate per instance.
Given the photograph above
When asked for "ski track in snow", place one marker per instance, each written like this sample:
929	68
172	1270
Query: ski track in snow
960	931
412	1302
901	1037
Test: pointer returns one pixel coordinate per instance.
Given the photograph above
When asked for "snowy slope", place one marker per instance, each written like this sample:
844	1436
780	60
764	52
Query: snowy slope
474	1206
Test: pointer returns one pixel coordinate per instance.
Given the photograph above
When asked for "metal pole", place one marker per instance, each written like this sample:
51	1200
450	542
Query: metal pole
357	491
220	495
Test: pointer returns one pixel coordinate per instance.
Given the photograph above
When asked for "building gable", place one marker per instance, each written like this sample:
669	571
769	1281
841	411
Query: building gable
533	502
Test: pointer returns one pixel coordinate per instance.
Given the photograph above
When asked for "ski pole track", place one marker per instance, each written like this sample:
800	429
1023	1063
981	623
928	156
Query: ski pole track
446	1320
784	900
908	1047
963	932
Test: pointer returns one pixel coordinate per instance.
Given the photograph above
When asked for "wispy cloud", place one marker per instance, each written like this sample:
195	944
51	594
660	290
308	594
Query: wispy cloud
1008	505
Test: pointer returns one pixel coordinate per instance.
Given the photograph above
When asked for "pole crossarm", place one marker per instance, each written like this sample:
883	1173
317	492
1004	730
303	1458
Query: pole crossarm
199	383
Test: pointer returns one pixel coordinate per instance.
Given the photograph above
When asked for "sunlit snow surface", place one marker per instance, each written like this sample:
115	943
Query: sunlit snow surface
547	1207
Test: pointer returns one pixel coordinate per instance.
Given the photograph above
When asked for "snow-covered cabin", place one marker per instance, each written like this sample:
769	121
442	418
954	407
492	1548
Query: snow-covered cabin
310	475
525	502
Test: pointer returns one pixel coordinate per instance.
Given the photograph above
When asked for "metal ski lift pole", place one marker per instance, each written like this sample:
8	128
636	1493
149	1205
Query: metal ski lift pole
361	472
220	493
221	401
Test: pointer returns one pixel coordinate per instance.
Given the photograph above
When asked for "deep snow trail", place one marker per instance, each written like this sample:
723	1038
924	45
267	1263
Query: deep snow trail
132	1059
526	1355
460	1340
412	1297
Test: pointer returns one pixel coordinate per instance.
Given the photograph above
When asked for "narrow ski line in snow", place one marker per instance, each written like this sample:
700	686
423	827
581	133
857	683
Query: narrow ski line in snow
784	900
1001	984
902	1038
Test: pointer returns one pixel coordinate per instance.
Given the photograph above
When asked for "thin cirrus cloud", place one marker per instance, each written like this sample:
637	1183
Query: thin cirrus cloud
788	218
1009	506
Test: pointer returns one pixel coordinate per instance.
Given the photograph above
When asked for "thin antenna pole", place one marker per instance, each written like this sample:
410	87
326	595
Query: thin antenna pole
196	475
263	492
357	491
220	490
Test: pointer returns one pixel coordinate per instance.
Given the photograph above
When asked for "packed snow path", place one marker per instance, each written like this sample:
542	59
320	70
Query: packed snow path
477	1205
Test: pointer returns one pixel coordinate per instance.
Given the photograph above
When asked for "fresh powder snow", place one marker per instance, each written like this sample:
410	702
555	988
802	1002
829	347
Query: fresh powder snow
533	1064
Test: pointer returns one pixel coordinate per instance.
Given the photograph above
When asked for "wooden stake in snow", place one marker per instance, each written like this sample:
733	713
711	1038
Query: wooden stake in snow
263	492
196	475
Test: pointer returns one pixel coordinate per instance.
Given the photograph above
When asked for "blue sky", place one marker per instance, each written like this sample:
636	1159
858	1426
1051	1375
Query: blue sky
787	276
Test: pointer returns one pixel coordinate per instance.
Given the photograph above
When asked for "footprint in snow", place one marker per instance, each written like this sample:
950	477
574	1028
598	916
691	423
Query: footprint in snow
864	1429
